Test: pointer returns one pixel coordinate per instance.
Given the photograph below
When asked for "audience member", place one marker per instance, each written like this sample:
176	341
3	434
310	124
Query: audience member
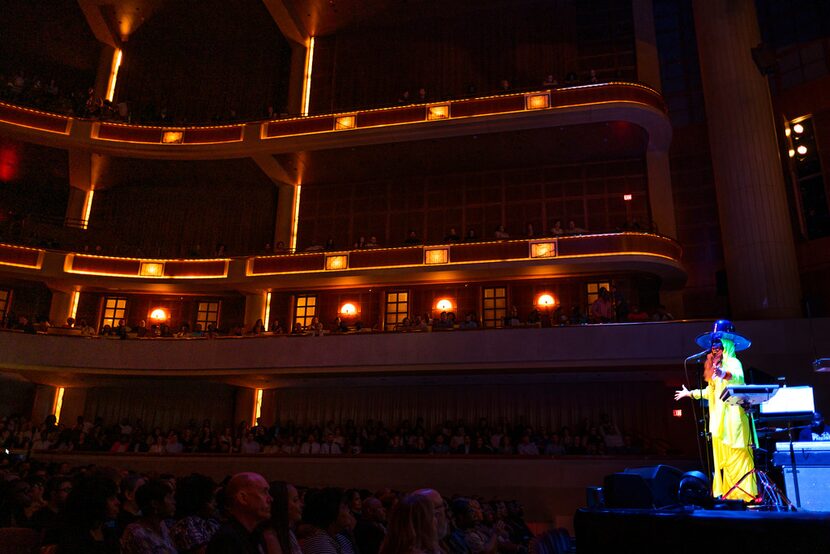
412	527
247	505
157	503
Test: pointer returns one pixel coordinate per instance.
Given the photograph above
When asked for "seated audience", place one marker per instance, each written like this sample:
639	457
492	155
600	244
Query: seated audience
247	506
286	513
149	533
196	513
326	514
412	527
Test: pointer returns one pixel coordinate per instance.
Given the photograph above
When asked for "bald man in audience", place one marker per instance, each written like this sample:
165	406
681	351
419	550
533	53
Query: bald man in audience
248	504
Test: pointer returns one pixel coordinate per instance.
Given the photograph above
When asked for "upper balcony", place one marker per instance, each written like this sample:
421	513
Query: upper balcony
603	102
544	257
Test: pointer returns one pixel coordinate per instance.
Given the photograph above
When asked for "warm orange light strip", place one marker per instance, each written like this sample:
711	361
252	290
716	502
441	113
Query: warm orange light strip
309	66
87	208
474	262
257	413
267	310
69	261
37	265
57	404
116	64
295	217
73	310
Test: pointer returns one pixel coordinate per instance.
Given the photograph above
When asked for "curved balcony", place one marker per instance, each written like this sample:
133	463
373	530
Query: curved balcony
479	261
614	101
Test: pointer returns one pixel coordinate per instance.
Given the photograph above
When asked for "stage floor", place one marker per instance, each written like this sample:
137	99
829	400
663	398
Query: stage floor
682	531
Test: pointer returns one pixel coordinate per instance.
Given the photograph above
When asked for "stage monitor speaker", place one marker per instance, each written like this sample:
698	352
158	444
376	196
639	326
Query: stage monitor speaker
626	490
813	487
662	480
642	487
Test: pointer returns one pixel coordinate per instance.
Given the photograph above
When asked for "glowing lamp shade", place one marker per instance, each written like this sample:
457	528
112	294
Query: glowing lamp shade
438	112
348	309
537	101
444	305
798	128
344	122
151	269
545	301
337	262
436	256
172	137
158	314
542	250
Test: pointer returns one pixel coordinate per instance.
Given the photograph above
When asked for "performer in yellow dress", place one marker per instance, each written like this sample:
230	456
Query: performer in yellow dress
728	424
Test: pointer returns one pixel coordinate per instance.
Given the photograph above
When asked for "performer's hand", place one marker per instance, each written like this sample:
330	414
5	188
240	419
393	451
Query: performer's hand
682	393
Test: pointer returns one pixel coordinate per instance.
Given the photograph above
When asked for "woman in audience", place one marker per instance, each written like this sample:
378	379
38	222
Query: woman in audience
327	513
286	512
196	508
258	328
91	504
150	534
412	528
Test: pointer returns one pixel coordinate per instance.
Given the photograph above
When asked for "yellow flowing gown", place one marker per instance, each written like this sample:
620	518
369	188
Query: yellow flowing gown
730	431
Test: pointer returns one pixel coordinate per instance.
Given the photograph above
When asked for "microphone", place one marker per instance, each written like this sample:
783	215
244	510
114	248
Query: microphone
699	356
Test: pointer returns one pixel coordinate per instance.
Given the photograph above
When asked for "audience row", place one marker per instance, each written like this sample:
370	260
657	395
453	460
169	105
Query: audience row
372	437
95	509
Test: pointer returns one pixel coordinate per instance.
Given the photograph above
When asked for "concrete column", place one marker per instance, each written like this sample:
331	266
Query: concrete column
102	76
74	404
296	78
244	405
645	44
61	307
42	404
76	215
755	222
660	196
284	224
254	309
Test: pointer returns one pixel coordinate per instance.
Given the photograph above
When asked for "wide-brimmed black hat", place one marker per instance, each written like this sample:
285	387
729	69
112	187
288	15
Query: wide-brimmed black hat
723	329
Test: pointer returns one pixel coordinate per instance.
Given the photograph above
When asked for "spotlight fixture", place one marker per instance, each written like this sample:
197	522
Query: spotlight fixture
802	150
798	128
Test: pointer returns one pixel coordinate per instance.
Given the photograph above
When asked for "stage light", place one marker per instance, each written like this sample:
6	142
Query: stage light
348	309
802	150
791	152
545	301
798	128
787	132
444	305
159	315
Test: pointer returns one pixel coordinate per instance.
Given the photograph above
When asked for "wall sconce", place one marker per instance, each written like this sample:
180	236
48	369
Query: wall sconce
545	301
542	249
441	111
348	309
444	305
344	122
151	269
436	256
172	137
339	261
158	315
537	101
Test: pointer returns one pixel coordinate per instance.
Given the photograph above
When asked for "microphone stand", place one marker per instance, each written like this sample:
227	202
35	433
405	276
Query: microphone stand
795	469
705	419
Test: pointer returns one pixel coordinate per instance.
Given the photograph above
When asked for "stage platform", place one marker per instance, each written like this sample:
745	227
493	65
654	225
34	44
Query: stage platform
697	531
